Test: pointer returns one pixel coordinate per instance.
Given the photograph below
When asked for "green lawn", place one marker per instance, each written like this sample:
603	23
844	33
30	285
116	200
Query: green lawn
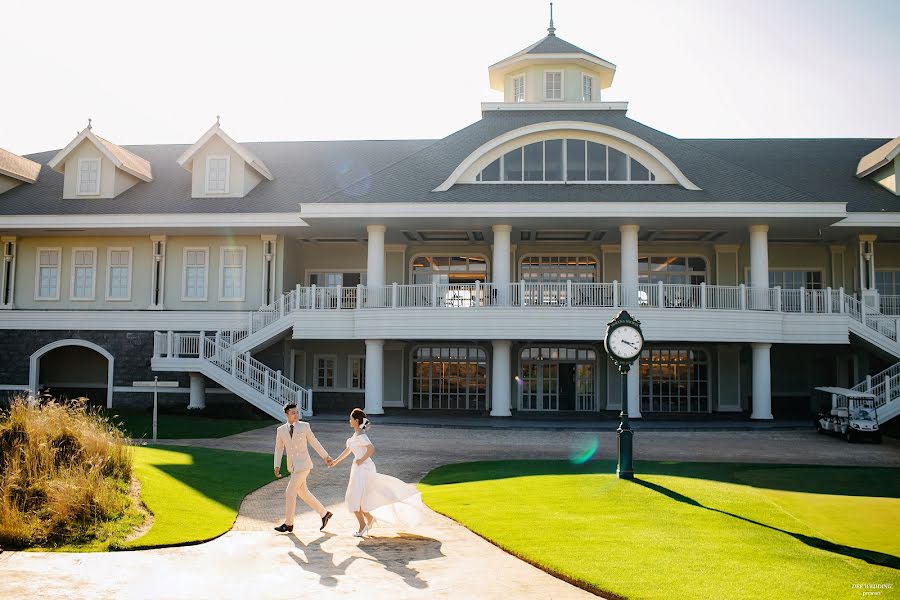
194	493
139	425
686	530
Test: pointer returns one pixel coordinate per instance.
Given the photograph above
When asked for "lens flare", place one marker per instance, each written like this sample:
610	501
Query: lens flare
584	450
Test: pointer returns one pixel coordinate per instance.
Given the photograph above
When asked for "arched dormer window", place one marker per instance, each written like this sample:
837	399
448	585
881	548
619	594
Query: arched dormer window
567	152
563	160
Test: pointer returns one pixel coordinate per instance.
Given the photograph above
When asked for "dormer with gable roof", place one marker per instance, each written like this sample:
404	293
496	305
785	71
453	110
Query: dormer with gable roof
16	170
882	166
221	167
551	71
96	168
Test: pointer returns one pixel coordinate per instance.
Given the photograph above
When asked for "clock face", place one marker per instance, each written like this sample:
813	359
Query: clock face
625	342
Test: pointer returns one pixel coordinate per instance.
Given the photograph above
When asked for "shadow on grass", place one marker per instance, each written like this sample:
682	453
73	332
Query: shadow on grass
813	479
870	556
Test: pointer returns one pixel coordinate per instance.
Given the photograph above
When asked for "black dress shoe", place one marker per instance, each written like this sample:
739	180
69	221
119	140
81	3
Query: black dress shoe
284	528
325	520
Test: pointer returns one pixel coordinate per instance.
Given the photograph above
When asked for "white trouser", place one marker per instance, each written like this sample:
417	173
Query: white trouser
297	487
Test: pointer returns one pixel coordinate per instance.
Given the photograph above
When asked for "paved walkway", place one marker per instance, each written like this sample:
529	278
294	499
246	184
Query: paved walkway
439	560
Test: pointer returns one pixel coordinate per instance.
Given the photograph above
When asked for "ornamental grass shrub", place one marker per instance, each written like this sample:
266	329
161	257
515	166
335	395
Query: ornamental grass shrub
65	475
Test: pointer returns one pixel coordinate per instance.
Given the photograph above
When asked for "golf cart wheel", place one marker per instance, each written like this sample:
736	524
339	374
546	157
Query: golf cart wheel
849	436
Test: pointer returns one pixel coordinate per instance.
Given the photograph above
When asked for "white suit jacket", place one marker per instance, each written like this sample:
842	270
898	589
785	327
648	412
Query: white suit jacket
295	447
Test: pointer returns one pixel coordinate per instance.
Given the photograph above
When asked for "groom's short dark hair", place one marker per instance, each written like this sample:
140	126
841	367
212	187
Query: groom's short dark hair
288	407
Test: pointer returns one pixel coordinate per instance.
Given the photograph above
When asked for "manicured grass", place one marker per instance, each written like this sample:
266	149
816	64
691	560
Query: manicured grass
194	493
139	425
686	530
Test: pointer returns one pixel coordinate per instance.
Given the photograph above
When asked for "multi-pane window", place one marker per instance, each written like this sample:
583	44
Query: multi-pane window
888	282
672	269
448	269
450	378
674	380
587	88
553	85
119	274
345	279
89	176
565	160
794	280
233	268
358	372
217	174
195	273
48	274
519	89
84	268
325	371
577	269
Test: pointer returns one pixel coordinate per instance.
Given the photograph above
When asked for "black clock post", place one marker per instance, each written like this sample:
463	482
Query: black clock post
623	343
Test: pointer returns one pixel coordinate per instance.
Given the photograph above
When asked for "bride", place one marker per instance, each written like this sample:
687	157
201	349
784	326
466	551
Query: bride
372	496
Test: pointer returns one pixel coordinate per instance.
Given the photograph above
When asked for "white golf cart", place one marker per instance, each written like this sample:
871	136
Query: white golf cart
852	416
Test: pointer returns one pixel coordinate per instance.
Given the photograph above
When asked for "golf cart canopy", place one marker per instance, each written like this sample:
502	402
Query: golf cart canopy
846	392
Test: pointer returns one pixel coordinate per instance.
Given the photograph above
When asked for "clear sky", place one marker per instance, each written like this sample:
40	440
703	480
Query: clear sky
159	72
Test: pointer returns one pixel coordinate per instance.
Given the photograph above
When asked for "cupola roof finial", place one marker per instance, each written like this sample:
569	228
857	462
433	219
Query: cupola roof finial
551	30
89	123
217	119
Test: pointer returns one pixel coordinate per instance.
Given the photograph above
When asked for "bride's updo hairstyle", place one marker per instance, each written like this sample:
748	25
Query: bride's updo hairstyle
358	415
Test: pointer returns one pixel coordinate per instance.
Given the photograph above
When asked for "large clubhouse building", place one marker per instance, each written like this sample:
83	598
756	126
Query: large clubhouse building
470	273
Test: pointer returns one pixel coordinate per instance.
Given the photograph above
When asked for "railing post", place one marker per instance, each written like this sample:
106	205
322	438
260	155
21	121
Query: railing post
315	296
340	297
777	298
201	345
841	302
279	387
868	383
170	344
702	294
266	383
521	292
234	364
156	344
828	307
477	300
249	323
743	292
281	306
246	365
660	295
802	299
297	297
615	293
298	399
568	292
359	295
433	294
395	295
862	311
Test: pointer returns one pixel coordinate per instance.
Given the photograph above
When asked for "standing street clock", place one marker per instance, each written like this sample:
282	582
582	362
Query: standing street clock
624	342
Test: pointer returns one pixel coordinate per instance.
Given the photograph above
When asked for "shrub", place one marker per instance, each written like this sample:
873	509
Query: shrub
65	474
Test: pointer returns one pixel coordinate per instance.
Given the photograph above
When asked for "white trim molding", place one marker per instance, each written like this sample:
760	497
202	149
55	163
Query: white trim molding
153	221
563	126
494	106
34	364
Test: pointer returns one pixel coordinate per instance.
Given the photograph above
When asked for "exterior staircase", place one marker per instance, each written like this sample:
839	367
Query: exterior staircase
886	388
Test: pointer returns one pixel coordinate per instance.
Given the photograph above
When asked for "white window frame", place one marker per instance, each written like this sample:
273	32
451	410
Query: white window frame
308	272
78	191
243	295
227	173
37	273
819	270
93	294
109	266
514	80
585	76
315	381
350	359
562	85
184	267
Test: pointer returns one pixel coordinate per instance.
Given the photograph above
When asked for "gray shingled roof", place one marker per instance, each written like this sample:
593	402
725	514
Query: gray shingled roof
551	44
303	171
407	171
822	168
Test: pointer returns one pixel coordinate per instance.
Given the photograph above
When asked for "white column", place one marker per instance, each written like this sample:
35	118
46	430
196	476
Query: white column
762	382
198	391
8	271
500	261
157	300
759	266
374	377
629	267
500	379
375	257
634	390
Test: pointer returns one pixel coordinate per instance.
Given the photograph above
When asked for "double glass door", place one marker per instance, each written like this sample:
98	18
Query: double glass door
553	385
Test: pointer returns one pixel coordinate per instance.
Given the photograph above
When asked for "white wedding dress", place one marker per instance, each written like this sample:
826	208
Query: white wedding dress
387	498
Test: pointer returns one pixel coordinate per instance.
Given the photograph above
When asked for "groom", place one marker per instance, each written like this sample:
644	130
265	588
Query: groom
292	438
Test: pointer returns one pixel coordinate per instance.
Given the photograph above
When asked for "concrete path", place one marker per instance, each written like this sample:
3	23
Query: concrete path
439	560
